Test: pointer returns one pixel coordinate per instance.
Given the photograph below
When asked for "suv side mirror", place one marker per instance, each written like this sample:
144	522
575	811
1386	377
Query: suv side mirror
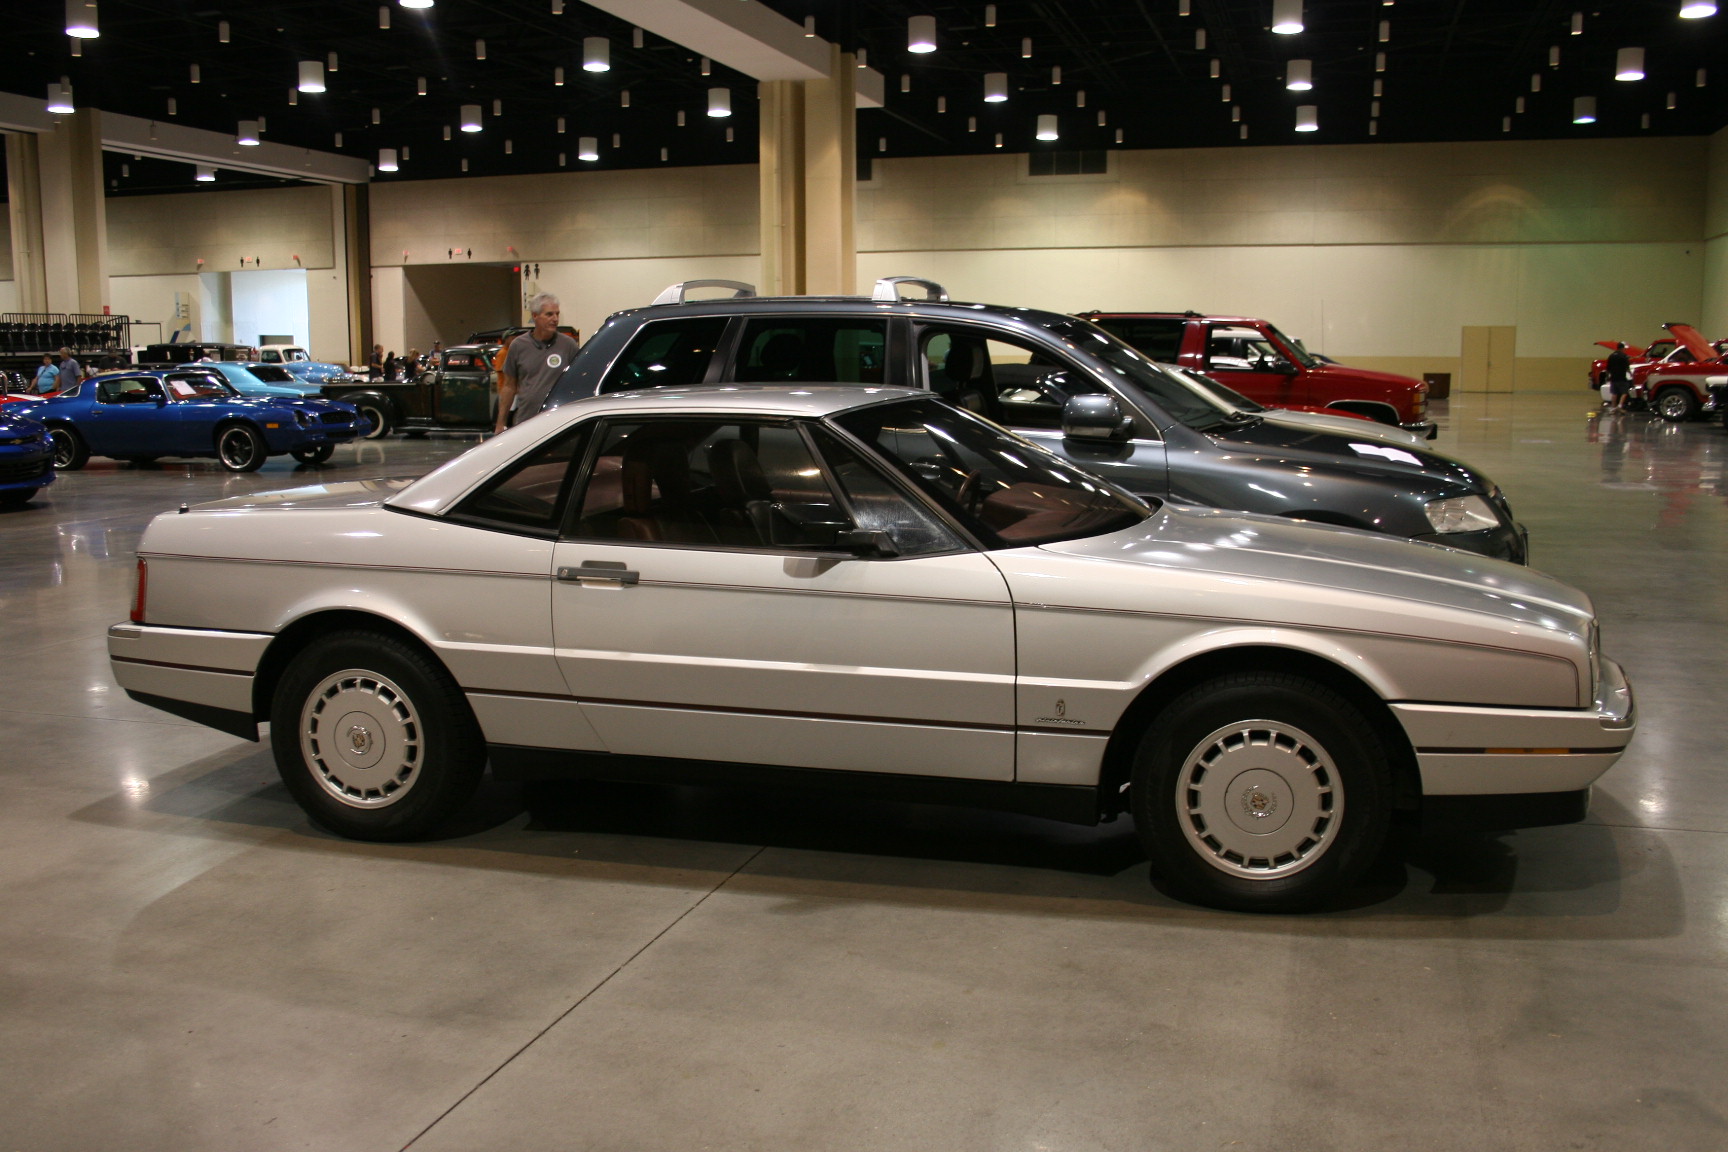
1094	418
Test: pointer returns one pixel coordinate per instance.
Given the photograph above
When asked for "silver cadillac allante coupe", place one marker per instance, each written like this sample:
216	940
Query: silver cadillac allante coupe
867	589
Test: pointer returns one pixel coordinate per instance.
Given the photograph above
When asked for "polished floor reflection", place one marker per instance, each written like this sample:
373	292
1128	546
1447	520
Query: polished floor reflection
189	965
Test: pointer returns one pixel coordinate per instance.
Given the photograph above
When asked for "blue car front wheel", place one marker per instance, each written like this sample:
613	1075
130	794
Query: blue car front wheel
240	448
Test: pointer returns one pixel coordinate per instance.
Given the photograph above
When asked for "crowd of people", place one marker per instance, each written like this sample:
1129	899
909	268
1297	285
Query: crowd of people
384	365
57	372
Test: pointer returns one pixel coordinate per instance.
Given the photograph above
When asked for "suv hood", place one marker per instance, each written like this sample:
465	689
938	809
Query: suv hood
1308	445
1242	546
1343	372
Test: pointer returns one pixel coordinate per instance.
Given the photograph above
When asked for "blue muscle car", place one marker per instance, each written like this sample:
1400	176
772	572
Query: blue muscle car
25	458
142	415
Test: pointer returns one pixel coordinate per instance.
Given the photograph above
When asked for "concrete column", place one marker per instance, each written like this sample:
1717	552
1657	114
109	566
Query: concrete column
830	179
808	168
74	213
24	192
1714	316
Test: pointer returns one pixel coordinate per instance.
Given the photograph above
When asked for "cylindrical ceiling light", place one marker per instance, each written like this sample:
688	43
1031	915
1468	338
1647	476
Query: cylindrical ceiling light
222	32
195	74
719	102
311	76
331	63
1286	17
863	58
1577	23
470	117
338	139
383	17
81	19
1026	47
60	99
205	174
376	117
989	15
921	34
415	3
446	132
587	148
1385	31
248	134
810	26
1584	110
560	125
420	86
497	107
509	147
1629	64
479	49
1307	118
1047	127
558	76
1697	9
596	54
387	158
995	87
1554	56
1299	75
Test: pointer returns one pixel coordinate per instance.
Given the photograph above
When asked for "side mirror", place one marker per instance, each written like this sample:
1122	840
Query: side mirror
873	541
1284	368
1094	418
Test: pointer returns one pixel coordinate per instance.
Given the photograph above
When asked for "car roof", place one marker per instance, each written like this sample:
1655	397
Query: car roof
1208	316
437	491
791	305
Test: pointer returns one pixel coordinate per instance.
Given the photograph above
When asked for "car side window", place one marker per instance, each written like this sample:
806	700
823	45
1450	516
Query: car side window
128	390
708	483
878	505
1156	339
667	354
1006	380
1242	350
530	495
812	351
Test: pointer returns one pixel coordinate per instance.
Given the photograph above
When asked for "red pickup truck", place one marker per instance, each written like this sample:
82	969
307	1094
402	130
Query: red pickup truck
1256	359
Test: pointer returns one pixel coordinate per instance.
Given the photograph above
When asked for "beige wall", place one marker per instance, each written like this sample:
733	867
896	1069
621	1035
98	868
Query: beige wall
1714	313
1375	254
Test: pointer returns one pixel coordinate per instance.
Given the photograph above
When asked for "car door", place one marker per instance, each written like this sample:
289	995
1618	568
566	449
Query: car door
127	418
1024	385
1248	361
702	611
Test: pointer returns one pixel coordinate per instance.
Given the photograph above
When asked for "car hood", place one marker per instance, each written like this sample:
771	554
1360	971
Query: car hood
1342	373
1351	427
346	494
1238	547
1300	444
14	424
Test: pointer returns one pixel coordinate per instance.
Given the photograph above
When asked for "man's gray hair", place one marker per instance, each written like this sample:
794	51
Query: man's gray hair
537	302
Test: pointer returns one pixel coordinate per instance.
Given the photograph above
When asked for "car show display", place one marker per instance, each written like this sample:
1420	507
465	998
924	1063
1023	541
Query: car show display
1686	384
867	588
1067	384
143	415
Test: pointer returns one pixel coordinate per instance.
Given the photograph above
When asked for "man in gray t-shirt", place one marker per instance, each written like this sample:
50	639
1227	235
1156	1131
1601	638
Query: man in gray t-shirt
533	363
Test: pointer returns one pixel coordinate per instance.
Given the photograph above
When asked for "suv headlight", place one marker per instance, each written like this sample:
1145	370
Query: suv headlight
1461	514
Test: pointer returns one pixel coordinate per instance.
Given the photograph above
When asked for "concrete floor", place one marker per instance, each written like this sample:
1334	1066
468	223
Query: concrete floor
186	964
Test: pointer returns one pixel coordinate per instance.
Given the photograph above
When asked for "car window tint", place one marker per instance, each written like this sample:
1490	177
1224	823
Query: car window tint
667	354
530	494
812	351
198	386
1032	386
125	389
1010	492
1156	339
707	483
878	504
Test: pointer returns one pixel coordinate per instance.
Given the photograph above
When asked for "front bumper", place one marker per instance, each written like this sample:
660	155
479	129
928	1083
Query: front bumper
1473	751
1426	429
25	470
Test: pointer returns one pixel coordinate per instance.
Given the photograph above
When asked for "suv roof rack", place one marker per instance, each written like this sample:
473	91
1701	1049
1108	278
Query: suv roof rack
677	293
888	289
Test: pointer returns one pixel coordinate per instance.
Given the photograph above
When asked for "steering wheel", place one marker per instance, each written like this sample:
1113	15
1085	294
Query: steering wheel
969	496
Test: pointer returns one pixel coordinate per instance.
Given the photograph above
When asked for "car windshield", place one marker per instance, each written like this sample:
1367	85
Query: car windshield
1196	407
1008	491
270	374
1303	357
1223	392
199	387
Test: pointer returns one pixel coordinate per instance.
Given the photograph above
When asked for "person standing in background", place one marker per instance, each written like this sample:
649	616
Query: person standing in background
1618	370
47	375
533	363
70	370
375	365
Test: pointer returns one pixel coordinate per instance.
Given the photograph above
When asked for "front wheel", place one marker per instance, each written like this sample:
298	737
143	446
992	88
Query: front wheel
373	738
1676	404
70	451
1261	792
240	448
315	454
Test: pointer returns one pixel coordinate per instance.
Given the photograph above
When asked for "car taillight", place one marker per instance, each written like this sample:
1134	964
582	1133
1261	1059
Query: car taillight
143	582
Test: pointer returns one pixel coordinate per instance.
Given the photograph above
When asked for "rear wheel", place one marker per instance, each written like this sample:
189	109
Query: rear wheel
1676	404
70	451
373	737
1261	792
316	454
380	417
240	448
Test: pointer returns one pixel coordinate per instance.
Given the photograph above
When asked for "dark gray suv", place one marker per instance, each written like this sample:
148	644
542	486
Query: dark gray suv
1065	383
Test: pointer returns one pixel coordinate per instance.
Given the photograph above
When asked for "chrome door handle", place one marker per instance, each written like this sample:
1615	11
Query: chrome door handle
610	571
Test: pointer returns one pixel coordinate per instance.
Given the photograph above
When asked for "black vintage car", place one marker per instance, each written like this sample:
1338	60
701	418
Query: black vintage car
458	391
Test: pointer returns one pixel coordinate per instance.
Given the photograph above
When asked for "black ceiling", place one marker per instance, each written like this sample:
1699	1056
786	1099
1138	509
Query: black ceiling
1454	69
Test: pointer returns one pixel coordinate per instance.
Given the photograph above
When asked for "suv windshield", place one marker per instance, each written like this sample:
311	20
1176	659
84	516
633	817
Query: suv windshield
1009	492
1196	407
1303	357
